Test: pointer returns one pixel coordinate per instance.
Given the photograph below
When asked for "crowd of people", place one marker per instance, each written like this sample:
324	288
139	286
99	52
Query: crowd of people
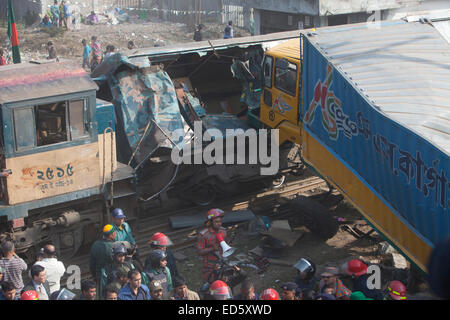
57	16
118	274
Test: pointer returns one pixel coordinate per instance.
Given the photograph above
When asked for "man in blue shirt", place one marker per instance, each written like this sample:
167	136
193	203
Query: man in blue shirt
8	291
134	290
86	53
54	10
228	32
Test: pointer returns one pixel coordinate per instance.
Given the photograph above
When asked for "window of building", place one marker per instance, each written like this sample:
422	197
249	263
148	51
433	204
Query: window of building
286	77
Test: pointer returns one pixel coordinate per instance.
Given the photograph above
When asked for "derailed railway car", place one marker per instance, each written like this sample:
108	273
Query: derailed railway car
58	156
369	107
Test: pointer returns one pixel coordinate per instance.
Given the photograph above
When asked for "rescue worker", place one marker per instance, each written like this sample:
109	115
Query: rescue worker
395	290
101	252
207	244
29	295
358	295
109	272
306	280
162	242
358	271
270	294
158	271
330	277
219	291
122	229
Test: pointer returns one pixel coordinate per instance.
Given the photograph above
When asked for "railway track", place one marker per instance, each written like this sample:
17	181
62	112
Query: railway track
267	202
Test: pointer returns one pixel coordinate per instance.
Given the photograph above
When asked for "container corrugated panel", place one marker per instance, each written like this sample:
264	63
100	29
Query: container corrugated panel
378	99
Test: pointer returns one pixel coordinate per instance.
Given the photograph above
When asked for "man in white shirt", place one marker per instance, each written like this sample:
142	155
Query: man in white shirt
55	269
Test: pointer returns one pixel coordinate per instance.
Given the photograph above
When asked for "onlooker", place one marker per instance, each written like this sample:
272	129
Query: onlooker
66	14
247	291
88	290
330	277
13	266
160	241
8	291
109	52
92	18
97	60
134	290
182	292
306	280
158	271
111	292
86	53
61	14
358	271
156	290
55	269
96	48
51	50
228	32
2	58
54	9
101	252
131	45
207	244
198	34
39	282
122	229
1	274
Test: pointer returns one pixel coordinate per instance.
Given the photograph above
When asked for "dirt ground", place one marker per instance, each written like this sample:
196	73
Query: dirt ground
144	33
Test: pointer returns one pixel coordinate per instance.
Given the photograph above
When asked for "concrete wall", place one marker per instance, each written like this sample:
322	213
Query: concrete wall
309	7
20	8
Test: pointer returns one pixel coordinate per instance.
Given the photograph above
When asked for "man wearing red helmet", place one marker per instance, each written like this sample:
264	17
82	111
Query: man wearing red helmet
358	271
270	294
207	244
219	291
29	295
160	241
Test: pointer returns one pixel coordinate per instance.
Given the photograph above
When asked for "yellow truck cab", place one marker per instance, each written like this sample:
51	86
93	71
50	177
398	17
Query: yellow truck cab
280	101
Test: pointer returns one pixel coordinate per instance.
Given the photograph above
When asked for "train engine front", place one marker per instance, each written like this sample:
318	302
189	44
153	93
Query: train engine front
57	158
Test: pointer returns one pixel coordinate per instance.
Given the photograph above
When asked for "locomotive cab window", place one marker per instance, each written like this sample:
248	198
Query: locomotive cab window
51	123
286	76
47	124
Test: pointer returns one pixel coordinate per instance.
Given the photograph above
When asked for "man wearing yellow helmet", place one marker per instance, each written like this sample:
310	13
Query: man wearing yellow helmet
101	252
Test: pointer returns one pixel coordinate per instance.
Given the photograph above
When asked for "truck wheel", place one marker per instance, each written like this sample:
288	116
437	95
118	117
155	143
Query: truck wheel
315	217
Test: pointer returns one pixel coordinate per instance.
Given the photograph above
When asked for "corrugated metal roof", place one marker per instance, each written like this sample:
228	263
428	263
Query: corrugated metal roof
26	81
205	46
403	70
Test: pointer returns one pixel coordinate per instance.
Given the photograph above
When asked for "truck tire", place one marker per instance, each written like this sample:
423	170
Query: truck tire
315	217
